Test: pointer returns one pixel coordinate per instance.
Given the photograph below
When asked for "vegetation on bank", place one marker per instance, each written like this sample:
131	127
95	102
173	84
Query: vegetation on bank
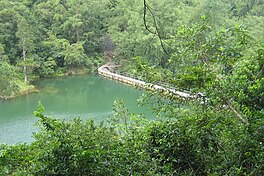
48	38
212	47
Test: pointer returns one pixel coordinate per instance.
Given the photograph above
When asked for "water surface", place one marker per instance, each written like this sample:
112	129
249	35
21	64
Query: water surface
64	98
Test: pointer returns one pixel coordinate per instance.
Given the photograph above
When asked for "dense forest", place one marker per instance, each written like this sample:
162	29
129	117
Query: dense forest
214	50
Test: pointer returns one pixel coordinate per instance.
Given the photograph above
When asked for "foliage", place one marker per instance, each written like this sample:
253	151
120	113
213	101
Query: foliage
200	142
8	75
222	133
218	133
207	143
65	36
28	27
76	148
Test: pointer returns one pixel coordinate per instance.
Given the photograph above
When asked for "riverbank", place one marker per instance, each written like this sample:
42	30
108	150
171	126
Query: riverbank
23	88
26	88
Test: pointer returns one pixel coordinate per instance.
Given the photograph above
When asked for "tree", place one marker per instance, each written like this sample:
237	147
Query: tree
189	45
26	43
7	32
75	23
75	56
228	116
3	57
8	77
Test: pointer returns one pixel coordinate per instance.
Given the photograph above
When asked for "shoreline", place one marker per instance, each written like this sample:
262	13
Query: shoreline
27	88
23	91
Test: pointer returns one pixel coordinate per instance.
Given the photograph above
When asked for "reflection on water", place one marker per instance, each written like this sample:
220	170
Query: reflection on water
65	98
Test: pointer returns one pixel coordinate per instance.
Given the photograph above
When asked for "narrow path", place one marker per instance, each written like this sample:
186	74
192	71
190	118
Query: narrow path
105	71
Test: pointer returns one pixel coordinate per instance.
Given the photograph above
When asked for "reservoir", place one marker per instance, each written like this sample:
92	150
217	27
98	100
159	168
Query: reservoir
87	97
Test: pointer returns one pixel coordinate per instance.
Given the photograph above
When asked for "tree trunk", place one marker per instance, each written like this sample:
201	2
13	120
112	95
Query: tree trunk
77	35
24	58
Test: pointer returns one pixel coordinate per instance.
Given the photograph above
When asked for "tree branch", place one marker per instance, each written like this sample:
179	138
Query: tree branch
157	32
239	116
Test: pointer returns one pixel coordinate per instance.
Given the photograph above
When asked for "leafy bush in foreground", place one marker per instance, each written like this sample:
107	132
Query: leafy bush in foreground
75	148
198	144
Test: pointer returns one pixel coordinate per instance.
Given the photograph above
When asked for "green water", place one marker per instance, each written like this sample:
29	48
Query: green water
64	98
